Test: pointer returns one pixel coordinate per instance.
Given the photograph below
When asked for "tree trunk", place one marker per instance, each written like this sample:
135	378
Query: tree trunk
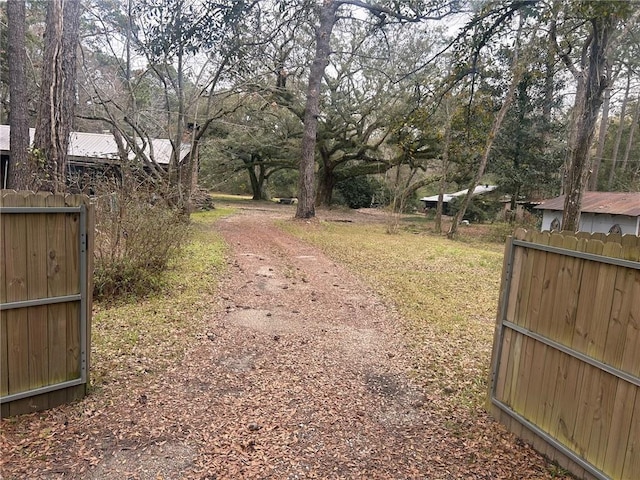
453	230
306	183
616	144
326	184
57	91
602	135
19	174
495	128
445	170
591	86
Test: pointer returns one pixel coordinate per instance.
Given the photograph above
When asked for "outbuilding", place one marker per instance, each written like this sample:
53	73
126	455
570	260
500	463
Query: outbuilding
96	151
432	202
601	212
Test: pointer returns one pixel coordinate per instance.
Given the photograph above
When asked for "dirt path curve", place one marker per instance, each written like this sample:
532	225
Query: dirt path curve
299	372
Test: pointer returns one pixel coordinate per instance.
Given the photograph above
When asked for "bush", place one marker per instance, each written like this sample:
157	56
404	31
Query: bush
137	234
479	210
362	192
501	230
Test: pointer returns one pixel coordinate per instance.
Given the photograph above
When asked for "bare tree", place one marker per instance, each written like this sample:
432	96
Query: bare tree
616	145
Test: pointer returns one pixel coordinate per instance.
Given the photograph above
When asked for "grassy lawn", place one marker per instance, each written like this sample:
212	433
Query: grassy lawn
447	292
139	337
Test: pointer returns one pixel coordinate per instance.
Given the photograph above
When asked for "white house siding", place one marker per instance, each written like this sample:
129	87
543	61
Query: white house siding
596	222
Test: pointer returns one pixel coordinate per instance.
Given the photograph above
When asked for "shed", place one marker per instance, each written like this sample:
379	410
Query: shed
88	150
432	202
601	212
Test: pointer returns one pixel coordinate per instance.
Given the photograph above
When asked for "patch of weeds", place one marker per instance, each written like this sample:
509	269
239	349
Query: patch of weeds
556	471
140	336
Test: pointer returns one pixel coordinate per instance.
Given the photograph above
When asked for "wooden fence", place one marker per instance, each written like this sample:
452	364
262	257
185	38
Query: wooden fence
566	357
45	299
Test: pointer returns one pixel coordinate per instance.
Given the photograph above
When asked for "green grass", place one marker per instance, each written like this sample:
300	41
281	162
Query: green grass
140	337
446	291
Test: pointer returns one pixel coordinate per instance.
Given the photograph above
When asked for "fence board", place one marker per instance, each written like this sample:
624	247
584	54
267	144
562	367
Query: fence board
631	354
620	430
57	285
540	373
531	348
17	321
516	275
37	288
601	313
4	369
73	286
522	293
587	299
620	313
632	460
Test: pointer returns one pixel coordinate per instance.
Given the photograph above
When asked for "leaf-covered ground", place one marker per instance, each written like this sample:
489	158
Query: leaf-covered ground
362	357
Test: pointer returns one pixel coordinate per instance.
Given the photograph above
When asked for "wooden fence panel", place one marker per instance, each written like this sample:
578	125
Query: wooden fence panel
567	322
41	344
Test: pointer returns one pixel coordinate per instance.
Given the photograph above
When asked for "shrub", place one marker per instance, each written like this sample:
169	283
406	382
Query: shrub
362	192
137	233
479	210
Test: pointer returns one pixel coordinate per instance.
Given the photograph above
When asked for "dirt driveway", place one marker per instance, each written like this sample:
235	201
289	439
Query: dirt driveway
299	372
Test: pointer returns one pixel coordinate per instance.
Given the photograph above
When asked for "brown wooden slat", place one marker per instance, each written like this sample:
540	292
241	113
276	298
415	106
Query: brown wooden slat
631	469
514	288
37	288
501	376
531	348
72	226
57	313
630	361
17	320
4	353
605	286
620	429
541	370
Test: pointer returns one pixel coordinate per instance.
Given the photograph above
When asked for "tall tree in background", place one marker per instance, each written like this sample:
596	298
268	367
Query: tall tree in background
57	91
591	83
590	74
306	179
19	171
327	14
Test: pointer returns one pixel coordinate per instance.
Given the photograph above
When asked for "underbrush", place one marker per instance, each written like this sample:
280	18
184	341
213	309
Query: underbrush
145	336
137	235
447	291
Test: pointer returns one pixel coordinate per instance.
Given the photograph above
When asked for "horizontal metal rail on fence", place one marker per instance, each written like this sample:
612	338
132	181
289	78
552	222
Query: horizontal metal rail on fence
40	301
79	297
504	324
627	377
621	262
77	209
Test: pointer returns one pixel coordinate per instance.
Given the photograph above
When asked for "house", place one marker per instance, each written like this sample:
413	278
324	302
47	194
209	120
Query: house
432	202
601	212
91	151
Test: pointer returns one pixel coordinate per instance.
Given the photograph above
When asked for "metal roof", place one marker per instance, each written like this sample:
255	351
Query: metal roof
447	197
102	146
613	203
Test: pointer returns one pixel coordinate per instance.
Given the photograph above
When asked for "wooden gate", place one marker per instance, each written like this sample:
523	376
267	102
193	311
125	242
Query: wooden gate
566	358
45	300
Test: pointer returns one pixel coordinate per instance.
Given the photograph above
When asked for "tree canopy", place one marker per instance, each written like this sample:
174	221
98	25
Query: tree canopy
338	89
